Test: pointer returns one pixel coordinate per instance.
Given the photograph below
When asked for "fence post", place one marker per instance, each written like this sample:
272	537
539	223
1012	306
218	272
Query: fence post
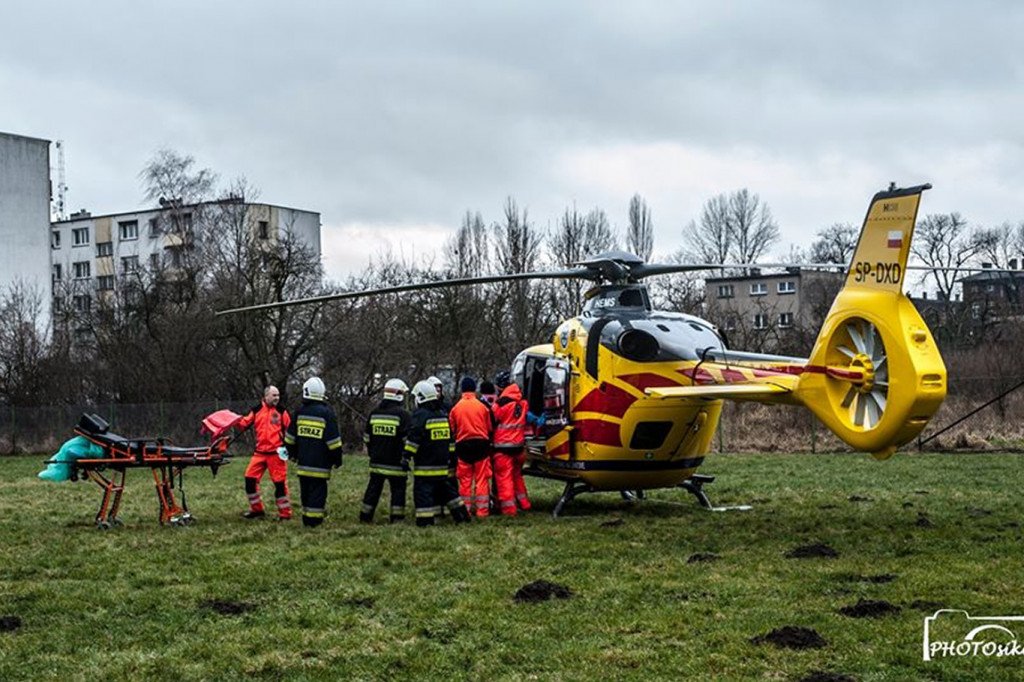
14	430
814	433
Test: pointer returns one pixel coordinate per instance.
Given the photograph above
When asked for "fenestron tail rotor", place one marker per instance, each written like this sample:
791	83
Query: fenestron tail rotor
866	396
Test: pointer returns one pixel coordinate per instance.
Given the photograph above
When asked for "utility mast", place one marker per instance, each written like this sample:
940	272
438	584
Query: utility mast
60	199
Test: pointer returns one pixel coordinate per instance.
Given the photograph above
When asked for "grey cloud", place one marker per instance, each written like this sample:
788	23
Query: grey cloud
410	112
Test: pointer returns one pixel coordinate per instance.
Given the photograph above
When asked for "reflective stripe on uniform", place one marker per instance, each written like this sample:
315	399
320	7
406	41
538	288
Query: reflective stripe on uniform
510	427
387	470
309	420
368	508
314	512
384	419
422	512
314	472
334	443
411	447
455	503
289	439
439	470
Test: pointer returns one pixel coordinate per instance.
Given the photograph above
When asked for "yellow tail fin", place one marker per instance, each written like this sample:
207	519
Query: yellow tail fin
875	376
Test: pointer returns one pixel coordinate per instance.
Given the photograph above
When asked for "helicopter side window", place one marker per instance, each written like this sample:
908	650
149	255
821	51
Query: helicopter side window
593	344
631	298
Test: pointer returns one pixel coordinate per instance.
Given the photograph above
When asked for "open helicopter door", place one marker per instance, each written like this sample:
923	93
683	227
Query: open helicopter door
544	381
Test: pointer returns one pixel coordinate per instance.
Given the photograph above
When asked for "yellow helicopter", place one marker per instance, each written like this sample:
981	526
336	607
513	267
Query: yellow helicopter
632	396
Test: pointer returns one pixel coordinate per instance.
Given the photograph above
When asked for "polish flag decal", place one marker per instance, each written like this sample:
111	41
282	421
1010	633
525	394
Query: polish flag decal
896	239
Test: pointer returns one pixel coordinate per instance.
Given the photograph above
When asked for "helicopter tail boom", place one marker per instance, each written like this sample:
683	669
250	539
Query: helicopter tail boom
875	376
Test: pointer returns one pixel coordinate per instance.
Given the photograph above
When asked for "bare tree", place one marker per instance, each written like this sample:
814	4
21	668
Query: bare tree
22	345
710	239
1001	244
172	176
945	241
576	238
640	233
835	244
753	228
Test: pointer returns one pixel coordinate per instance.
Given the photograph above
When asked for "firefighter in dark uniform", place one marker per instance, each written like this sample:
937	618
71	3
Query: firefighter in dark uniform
314	444
384	436
431	447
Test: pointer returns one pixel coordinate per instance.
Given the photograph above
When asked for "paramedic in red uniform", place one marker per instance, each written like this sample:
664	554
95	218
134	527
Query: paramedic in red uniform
269	421
473	425
511	413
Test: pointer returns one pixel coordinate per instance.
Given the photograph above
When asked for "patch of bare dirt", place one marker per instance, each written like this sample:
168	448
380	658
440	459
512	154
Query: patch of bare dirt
228	608
612	523
9	623
702	557
811	551
541	590
923	521
792	637
360	602
869	608
858	498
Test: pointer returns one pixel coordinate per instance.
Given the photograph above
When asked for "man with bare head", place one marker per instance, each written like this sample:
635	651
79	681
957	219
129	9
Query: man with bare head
269	421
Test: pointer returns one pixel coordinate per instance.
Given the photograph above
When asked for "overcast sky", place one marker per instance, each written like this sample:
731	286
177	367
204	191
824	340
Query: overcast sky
392	119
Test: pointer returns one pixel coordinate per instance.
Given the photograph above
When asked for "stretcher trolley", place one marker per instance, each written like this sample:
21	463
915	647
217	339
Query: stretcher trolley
108	457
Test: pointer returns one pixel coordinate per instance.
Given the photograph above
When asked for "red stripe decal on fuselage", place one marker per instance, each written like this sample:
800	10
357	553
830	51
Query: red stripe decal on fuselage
610	400
598	432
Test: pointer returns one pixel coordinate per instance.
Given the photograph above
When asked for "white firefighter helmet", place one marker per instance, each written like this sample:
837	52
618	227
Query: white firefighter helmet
424	392
437	384
395	389
314	389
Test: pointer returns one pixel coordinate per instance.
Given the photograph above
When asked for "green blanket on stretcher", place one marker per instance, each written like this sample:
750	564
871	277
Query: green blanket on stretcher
77	448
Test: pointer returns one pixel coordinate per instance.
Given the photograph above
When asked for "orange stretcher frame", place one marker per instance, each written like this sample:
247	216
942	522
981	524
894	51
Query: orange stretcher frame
164	459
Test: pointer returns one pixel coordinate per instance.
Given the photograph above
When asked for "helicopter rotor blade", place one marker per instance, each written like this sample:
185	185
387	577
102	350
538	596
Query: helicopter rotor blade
581	273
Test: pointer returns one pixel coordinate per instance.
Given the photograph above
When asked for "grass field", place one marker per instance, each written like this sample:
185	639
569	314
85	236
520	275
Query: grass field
395	602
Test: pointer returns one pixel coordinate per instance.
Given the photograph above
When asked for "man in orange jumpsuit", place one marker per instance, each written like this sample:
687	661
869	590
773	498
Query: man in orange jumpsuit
269	421
472	425
511	414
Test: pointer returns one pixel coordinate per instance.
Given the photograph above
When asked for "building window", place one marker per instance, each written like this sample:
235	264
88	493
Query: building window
264	229
154	227
104	249
725	291
787	287
154	261
57	272
105	283
80	236
55	239
128	230
82	303
730	323
760	321
785	319
758	289
129	264
81	269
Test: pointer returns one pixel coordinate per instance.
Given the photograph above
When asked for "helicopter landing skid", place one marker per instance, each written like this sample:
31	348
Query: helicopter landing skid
695	486
572	489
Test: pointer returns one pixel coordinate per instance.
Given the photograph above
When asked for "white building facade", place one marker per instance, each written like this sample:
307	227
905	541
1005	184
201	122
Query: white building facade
25	215
91	254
